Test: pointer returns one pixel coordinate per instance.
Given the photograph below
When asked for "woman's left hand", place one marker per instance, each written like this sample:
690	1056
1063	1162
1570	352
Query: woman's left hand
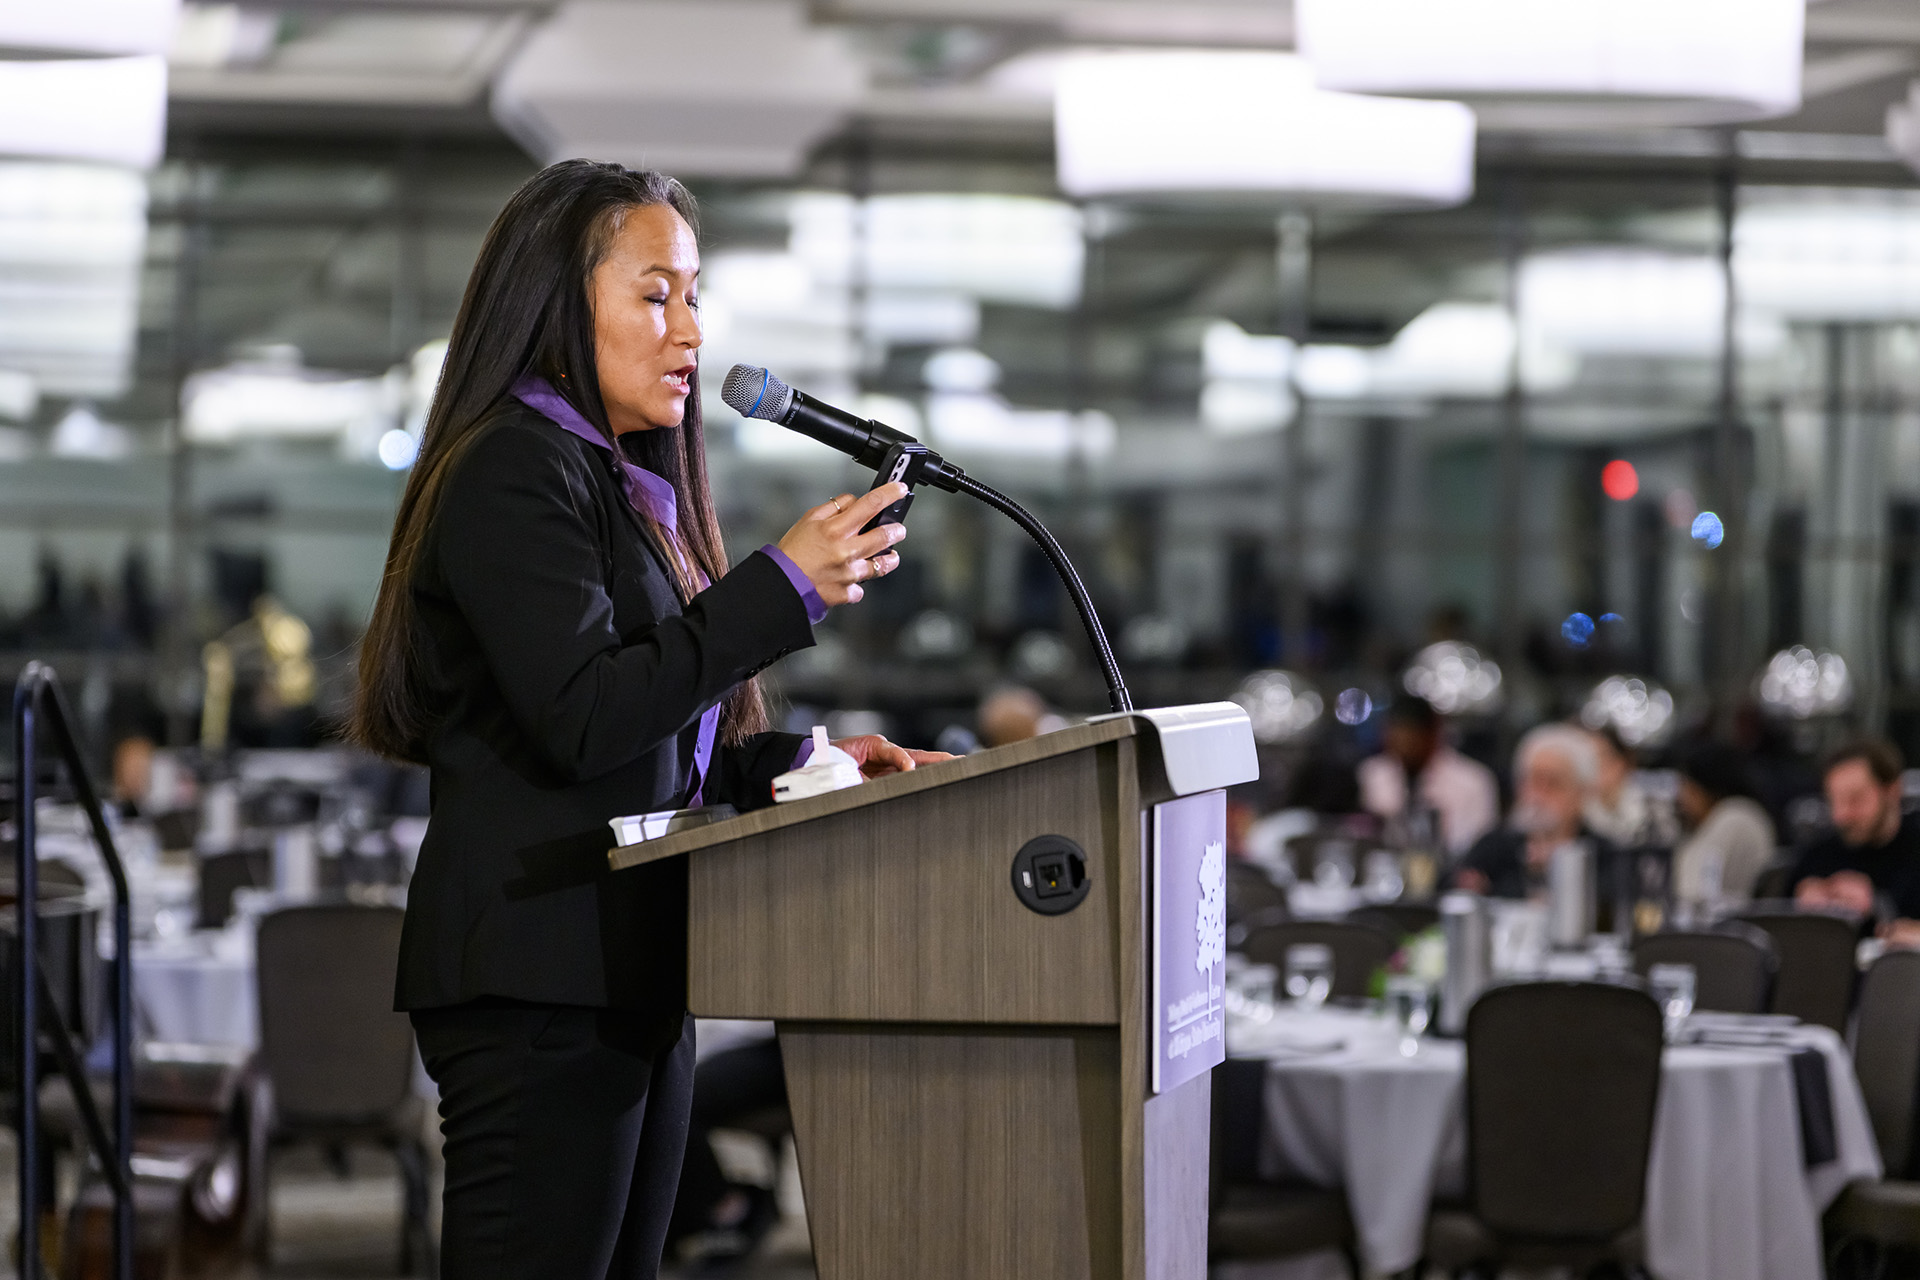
877	757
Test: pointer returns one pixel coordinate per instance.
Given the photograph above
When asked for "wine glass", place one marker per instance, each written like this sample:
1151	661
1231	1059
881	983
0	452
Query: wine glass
1673	987
1309	974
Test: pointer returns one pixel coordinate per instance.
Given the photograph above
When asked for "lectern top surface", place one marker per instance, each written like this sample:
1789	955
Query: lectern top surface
1060	742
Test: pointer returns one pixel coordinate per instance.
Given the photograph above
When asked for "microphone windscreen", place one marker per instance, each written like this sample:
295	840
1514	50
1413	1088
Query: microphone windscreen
756	393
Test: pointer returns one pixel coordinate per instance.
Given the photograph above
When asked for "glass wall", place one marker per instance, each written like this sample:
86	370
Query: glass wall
1270	438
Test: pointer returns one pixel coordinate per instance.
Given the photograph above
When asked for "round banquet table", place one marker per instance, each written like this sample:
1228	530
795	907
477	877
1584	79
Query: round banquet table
1729	1196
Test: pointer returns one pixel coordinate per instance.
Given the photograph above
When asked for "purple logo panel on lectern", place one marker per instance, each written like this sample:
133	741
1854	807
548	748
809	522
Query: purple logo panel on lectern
1189	941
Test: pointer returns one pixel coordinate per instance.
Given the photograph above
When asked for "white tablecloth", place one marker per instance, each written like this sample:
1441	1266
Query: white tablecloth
195	993
1728	1195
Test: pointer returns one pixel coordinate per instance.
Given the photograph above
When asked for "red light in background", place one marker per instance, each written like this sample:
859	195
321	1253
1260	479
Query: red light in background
1619	479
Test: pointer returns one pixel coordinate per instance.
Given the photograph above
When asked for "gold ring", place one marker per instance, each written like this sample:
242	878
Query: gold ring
878	572
837	508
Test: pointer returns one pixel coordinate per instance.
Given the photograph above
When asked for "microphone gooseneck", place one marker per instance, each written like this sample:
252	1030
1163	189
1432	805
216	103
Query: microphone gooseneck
753	392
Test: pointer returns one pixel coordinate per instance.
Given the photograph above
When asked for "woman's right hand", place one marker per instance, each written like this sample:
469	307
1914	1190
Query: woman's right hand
827	545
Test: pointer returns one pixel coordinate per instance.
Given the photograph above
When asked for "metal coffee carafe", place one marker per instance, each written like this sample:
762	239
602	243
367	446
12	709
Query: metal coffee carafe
1465	926
1570	897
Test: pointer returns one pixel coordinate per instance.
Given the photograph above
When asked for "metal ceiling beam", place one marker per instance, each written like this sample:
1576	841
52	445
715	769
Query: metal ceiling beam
414	8
1863	22
1266	23
1837	73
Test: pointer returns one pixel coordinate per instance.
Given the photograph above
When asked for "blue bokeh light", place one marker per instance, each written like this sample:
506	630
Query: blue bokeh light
1577	630
1707	528
1353	706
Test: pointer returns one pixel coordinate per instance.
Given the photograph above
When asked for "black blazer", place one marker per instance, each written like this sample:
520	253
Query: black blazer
568	684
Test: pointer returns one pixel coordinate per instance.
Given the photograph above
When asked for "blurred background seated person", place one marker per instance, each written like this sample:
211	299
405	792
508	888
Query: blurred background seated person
1730	836
1015	713
1418	769
1555	767
1322	797
1620	808
1870	864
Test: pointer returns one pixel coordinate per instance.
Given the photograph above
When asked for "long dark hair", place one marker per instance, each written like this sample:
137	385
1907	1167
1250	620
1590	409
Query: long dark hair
527	309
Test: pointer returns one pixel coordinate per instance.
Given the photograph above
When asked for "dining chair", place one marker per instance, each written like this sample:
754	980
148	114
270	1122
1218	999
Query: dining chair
339	1059
1884	1213
1399	920
1816	974
1251	1219
1775	881
1359	950
221	874
1732	966
1562	1080
1252	892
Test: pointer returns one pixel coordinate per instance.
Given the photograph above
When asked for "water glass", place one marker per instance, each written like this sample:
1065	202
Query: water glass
1257	983
1334	869
1611	959
174	921
1309	974
1519	933
1411	1003
1383	881
1673	986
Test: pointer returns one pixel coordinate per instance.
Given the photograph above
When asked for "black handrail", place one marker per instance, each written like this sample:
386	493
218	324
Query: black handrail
37	695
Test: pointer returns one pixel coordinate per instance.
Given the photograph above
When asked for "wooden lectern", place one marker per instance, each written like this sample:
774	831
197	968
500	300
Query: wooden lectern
970	1058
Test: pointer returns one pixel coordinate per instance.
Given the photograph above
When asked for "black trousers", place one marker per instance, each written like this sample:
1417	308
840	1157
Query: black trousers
564	1132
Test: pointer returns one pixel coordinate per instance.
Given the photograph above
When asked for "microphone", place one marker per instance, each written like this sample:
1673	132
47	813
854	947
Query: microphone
753	392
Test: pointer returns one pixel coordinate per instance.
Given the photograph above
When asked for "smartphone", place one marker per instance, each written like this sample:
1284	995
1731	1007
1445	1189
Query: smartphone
901	463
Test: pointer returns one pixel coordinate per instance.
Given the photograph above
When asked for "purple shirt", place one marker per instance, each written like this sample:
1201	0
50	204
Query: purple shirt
653	496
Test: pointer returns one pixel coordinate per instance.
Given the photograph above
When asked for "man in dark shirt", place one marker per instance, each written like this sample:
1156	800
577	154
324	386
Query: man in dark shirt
1870	865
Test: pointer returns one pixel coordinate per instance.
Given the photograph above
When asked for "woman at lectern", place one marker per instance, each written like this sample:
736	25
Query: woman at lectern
559	637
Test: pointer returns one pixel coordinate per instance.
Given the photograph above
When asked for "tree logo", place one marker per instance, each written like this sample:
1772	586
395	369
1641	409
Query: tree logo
1210	918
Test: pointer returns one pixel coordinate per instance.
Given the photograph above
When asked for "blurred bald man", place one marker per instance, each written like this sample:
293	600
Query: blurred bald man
1014	714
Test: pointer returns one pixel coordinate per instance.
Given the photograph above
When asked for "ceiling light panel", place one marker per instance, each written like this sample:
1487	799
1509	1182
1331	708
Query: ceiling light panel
88	26
72	241
1569	64
111	110
1221	122
746	91
1619	302
372	58
1017	250
268	400
1829	255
